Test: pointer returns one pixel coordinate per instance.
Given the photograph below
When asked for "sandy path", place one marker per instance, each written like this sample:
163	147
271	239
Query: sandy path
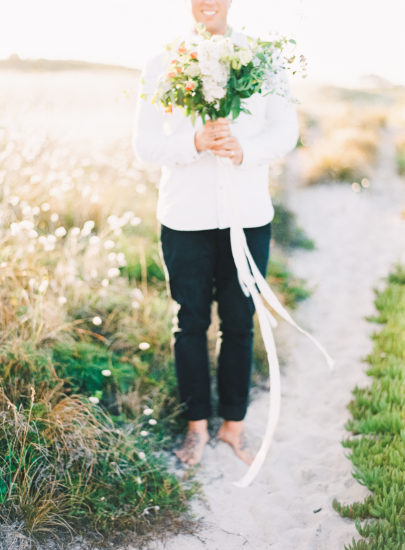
358	237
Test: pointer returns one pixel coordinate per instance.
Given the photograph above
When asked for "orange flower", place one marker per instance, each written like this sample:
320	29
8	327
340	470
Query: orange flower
171	75
179	70
174	61
190	86
193	55
169	109
182	49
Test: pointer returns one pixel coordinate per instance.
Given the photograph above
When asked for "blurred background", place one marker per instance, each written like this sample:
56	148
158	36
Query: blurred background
343	40
84	306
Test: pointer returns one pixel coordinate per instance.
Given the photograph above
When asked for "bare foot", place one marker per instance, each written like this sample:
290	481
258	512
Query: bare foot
192	450
232	432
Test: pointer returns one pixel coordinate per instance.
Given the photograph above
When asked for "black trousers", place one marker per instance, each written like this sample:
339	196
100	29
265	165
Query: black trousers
200	269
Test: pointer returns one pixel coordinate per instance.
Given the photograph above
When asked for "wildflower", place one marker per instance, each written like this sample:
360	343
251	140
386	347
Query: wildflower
87	227
109	244
62	300
75	231
182	49
156	508
152	422
142	455
143	346
94	240
137	294
169	109
189	85
60	231
139	480
97	320
93	399
147	411
121	259
193	55
356	187
113	220
144	433
54	217
135	221
106	372
113	272
171	75
14	200
35	210
105	283
45	207
43	286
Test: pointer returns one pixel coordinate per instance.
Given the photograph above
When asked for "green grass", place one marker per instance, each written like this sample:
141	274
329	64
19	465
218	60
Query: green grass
377	425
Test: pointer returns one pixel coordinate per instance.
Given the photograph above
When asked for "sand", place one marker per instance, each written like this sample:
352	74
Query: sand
359	236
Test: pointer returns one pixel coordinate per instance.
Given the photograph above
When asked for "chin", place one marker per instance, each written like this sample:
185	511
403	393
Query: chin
211	26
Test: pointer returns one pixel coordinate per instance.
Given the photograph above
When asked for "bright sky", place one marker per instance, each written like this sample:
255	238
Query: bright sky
341	39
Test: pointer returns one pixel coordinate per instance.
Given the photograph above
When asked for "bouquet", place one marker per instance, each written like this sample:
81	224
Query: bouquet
212	76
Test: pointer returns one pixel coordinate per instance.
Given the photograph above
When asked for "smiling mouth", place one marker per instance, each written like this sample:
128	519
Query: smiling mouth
209	12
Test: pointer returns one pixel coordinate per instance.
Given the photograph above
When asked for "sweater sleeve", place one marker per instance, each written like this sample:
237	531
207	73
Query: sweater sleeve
152	142
278	137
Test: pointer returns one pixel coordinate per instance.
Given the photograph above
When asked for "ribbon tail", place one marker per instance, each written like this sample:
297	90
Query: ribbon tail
273	301
274	395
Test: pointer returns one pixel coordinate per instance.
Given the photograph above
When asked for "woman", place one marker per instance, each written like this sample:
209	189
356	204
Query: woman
195	237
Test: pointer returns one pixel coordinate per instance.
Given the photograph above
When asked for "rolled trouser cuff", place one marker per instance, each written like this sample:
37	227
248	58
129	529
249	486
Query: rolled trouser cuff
232	412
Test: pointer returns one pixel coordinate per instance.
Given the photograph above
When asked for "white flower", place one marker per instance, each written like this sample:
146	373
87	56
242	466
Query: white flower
152	422
45	207
97	320
142	455
94	240
144	346
109	244
211	90
106	372
87	227
54	217
43	286
113	272
60	231
62	300
105	283
144	433
245	56
148	411
121	259
192	70
137	294
14	200
93	399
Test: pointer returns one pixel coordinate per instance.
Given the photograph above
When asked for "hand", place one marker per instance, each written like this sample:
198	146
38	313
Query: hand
216	136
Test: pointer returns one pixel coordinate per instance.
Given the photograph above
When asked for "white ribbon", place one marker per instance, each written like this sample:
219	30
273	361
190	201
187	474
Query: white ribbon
251	282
